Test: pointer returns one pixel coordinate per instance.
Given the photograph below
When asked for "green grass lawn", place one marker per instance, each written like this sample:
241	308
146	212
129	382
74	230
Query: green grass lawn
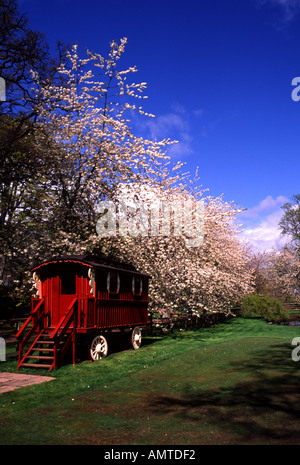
232	384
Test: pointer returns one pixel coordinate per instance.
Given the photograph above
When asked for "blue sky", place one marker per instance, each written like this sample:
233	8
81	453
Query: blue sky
219	77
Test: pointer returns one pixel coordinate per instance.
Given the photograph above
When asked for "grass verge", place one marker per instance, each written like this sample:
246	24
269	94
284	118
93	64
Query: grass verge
232	384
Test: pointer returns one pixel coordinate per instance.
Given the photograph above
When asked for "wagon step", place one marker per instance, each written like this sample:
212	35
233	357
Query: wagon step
44	341
43	349
41	353
36	365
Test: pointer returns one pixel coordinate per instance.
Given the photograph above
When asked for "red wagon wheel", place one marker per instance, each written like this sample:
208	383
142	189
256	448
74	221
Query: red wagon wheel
99	348
136	338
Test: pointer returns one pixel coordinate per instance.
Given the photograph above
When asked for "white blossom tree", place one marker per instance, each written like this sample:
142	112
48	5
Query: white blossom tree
83	131
208	276
277	273
84	119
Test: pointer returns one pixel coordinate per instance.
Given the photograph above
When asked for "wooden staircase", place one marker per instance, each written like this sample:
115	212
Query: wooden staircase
44	346
41	352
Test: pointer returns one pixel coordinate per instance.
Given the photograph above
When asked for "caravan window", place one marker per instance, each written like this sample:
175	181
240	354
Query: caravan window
113	282
137	285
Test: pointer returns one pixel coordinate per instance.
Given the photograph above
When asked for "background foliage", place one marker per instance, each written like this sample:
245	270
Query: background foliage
66	144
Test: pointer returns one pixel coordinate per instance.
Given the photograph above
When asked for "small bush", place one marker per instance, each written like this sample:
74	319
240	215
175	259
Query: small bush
260	306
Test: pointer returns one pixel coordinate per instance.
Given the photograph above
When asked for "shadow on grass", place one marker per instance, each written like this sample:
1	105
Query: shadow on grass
116	343
262	408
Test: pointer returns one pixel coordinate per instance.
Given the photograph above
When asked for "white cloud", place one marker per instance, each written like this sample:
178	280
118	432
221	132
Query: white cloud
261	224
266	205
289	9
198	112
167	124
266	235
174	125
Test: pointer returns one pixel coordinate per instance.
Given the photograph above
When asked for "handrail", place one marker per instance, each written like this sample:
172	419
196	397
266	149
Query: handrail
21	330
64	318
60	330
31	331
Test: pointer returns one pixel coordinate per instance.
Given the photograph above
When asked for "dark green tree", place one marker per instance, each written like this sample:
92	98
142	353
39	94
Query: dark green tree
290	222
23	167
22	51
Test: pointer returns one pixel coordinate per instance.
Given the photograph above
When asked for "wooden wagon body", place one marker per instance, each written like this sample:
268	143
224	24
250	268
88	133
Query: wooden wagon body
81	298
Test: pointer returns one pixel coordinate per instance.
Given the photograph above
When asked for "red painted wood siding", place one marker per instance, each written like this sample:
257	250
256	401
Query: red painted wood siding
105	310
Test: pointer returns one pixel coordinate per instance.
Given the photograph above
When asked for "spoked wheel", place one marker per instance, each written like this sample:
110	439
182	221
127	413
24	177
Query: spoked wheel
136	338
99	348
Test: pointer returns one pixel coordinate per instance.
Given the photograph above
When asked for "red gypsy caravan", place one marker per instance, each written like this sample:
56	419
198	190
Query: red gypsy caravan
81	300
